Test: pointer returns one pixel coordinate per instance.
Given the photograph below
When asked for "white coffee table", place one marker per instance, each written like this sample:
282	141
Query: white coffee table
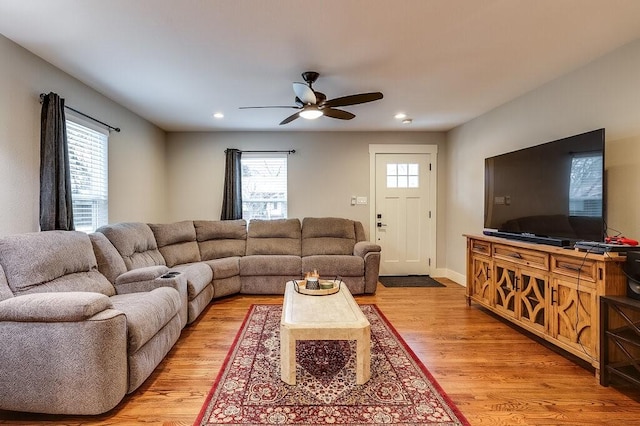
332	317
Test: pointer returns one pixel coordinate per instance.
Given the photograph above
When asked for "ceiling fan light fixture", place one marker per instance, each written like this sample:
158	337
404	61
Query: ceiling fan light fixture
310	113
310	104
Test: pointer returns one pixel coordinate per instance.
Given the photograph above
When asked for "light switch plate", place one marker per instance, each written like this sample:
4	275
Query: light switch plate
361	200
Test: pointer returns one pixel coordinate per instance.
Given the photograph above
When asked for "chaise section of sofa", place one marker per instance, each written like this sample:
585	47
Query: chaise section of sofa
78	347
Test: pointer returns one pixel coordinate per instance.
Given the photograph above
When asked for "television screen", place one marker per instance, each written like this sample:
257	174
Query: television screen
551	190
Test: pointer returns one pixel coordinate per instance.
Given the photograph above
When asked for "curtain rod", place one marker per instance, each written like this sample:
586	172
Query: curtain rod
117	129
291	151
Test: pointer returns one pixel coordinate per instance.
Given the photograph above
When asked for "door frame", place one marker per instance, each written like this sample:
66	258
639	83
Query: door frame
375	149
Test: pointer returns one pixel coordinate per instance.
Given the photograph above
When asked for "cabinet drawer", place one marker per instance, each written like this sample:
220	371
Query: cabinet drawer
521	256
575	267
481	247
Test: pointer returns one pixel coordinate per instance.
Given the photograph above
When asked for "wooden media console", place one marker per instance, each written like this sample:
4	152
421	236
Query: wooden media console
549	291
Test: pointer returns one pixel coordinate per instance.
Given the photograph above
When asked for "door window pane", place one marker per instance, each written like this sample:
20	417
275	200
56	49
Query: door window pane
403	175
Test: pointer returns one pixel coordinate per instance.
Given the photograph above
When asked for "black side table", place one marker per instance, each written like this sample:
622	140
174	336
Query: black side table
619	339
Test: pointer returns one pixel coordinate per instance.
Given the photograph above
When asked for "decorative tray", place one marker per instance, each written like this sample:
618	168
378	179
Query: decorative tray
331	287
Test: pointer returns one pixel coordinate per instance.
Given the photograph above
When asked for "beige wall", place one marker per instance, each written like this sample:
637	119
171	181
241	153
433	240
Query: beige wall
326	170
156	177
136	155
603	93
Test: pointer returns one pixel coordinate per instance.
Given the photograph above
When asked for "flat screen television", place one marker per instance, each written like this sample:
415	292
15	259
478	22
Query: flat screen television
552	193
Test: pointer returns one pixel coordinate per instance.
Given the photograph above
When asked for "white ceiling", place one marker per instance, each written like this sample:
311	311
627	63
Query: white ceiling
443	62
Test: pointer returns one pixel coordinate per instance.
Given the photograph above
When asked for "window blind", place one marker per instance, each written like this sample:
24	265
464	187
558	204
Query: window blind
89	177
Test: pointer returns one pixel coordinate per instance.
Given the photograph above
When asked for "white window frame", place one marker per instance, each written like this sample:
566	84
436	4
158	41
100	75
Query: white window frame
274	207
88	146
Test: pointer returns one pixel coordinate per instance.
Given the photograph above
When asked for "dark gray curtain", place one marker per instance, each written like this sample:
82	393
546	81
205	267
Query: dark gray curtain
55	179
232	198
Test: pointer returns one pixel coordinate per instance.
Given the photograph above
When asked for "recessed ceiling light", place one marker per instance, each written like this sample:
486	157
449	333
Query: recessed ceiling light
407	121
400	115
218	115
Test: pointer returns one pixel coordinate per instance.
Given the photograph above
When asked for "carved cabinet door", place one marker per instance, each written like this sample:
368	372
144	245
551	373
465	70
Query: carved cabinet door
573	308
533	299
505	291
481	288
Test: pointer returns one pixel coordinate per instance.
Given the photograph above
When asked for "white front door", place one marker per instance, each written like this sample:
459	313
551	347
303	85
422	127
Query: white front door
403	213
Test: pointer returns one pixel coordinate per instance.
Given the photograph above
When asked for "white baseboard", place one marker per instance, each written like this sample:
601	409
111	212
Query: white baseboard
452	275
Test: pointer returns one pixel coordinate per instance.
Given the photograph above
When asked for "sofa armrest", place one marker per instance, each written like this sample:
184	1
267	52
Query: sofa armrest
141	274
60	358
140	280
370	252
362	248
54	307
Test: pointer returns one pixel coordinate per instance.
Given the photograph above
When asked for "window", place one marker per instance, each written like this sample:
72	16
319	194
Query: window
88	164
264	186
403	175
585	187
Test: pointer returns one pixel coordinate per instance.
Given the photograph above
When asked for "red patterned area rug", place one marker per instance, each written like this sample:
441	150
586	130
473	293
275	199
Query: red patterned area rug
248	389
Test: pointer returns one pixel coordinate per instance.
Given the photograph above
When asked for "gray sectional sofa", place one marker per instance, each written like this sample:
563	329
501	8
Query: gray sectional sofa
91	316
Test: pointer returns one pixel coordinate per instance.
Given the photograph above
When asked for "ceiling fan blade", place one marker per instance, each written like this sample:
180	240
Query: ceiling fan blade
337	113
304	93
275	106
290	118
360	98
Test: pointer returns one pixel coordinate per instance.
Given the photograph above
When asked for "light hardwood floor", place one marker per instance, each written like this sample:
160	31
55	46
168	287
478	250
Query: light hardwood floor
496	374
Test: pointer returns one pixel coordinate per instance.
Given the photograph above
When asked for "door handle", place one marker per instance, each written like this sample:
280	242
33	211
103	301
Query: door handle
380	224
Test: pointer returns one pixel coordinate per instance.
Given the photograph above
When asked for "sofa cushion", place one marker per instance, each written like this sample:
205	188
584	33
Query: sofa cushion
266	265
92	281
329	266
328	235
110	263
278	237
51	261
176	242
224	268
135	242
199	275
146	313
221	238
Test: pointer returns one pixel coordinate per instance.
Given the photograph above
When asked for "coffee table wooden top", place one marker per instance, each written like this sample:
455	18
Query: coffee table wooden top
333	311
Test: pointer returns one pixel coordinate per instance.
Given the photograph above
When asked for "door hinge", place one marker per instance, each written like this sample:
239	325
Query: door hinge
429	214
429	261
429	166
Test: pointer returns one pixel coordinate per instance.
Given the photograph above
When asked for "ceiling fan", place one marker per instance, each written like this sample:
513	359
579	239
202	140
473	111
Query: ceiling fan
312	104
